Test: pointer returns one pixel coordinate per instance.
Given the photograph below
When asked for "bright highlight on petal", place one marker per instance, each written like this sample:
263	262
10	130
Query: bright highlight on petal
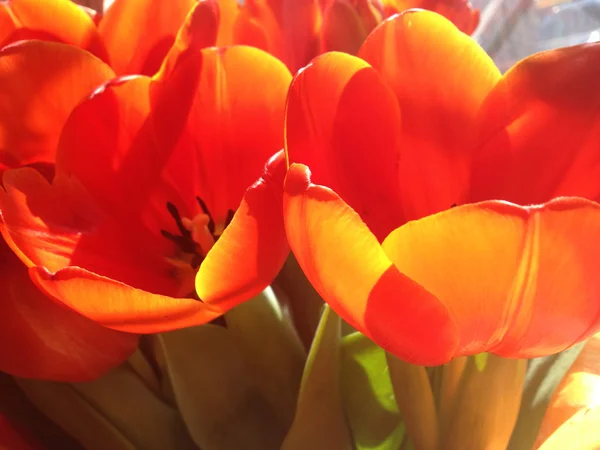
347	266
40	84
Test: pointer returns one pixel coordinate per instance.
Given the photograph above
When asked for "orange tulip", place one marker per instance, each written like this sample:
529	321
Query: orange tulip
423	121
571	420
149	173
133	37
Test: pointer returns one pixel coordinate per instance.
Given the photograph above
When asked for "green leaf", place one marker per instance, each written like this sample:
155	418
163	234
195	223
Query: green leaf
368	395
220	404
272	351
480	361
319	423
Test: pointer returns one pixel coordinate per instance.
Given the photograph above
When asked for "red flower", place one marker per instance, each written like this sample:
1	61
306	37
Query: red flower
133	37
423	121
149	173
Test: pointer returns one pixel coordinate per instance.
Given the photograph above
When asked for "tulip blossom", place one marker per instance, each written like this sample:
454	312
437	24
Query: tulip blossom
133	37
154	183
420	122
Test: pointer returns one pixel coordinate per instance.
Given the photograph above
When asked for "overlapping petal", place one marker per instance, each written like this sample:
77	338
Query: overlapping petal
40	338
193	138
440	77
513	280
518	281
40	84
343	121
348	267
138	34
540	130
253	247
58	20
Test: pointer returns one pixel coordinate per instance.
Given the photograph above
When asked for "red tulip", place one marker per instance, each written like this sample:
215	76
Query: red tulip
133	37
423	121
149	173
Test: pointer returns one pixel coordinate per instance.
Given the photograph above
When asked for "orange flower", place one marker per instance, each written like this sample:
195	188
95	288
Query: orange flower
571	420
420	122
133	37
149	173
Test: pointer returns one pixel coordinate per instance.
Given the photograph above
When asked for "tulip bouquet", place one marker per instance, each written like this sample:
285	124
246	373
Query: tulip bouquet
296	225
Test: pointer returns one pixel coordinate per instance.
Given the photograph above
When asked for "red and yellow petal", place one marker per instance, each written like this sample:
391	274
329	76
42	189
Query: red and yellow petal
577	393
518	281
540	130
343	29
58	225
121	307
253	248
138	34
346	264
40	84
235	125
440	77
343	122
57	20
40	338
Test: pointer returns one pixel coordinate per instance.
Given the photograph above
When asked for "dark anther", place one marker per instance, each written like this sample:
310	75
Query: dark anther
175	213
229	217
211	222
186	245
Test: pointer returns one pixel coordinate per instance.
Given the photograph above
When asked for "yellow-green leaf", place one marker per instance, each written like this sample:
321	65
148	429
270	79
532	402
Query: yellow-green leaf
368	395
319	423
220	403
272	351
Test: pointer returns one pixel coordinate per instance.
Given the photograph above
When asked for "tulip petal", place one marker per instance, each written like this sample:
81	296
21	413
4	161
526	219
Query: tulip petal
348	267
139	34
42	339
580	431
40	84
542	118
253	248
58	20
344	123
578	391
59	225
119	306
518	281
440	77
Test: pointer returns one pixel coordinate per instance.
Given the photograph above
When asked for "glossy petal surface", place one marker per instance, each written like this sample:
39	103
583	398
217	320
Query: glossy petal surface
40	338
343	121
519	282
119	306
346	264
540	130
440	77
578	392
57	20
253	248
40	84
139	33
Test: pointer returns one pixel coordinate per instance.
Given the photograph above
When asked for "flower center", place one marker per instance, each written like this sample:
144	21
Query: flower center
196	236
